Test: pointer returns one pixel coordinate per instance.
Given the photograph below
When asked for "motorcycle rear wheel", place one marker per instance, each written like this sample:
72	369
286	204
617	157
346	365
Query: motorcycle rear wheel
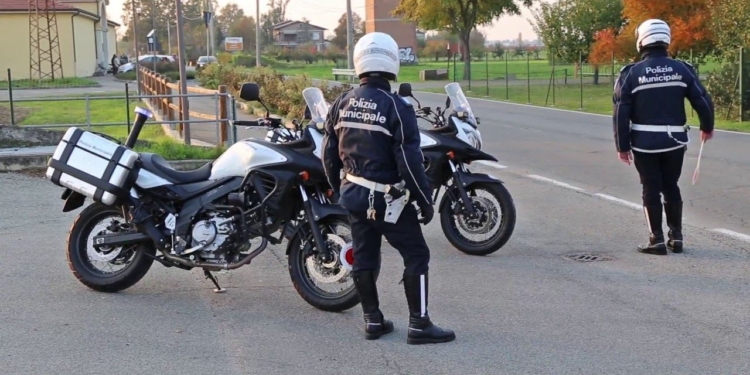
80	251
450	221
300	259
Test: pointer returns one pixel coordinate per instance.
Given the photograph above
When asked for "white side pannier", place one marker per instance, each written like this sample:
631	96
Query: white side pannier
93	166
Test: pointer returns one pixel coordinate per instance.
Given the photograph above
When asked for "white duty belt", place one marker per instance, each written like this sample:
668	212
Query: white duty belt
664	128
371	185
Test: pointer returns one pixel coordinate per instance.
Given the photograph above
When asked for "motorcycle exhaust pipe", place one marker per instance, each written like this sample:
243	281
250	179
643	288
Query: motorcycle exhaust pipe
212	266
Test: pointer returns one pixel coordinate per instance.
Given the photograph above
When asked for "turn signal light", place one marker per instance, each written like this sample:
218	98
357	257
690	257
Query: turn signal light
329	193
304	175
451	155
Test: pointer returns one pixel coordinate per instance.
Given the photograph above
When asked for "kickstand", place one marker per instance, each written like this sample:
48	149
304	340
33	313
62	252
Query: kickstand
211	277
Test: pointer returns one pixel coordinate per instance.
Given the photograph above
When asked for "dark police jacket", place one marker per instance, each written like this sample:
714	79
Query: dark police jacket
372	133
651	93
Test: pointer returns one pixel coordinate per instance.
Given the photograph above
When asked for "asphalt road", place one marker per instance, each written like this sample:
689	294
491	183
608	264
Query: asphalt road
523	310
578	149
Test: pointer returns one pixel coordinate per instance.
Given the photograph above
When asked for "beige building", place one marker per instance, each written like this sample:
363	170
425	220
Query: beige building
84	44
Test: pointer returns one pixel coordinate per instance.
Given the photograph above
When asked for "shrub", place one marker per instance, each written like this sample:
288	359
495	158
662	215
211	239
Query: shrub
722	84
282	95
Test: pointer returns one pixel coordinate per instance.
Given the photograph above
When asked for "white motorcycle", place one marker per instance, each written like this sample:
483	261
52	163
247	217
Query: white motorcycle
473	203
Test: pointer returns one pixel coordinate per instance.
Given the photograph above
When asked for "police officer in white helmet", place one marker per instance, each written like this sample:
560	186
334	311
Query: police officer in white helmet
372	135
649	128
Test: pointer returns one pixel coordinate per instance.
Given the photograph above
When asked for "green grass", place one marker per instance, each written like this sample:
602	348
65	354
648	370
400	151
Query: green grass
596	99
109	111
48	83
497	69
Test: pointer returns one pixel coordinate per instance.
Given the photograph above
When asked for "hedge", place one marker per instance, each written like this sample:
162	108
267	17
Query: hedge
282	95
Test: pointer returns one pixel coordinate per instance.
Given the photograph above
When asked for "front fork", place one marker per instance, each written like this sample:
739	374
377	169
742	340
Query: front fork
459	186
322	252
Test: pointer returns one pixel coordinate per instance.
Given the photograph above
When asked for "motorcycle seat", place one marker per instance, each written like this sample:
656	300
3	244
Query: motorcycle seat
160	167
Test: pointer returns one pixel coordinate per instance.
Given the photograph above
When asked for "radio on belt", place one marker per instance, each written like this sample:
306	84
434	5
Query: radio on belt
93	166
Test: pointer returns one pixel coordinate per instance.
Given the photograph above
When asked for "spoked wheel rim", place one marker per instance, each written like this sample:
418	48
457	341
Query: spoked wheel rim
484	226
328	280
106	261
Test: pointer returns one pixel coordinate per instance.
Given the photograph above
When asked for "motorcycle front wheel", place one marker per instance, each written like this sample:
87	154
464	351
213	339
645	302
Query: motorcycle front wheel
105	269
494	219
312	277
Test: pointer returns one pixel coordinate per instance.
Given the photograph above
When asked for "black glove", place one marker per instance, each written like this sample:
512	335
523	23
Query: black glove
426	214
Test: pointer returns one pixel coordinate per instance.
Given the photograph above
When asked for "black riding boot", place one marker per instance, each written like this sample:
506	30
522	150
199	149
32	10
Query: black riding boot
655	243
375	323
673	212
421	329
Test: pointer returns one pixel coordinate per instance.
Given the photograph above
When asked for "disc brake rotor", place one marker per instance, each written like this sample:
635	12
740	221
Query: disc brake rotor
103	253
329	272
480	222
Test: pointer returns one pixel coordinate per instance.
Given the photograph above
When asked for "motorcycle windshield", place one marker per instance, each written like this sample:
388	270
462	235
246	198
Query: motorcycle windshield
317	104
459	101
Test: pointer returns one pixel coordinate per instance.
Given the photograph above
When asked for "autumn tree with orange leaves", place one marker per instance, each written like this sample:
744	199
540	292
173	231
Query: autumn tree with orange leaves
688	19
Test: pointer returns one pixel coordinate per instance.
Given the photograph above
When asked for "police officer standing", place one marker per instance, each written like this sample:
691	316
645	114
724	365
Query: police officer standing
651	94
372	135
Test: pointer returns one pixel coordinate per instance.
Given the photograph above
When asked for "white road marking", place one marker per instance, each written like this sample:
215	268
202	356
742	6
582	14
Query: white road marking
620	201
562	110
491	164
733	234
555	182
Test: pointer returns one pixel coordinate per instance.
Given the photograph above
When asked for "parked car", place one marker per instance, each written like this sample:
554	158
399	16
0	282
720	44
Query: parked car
144	60
204	61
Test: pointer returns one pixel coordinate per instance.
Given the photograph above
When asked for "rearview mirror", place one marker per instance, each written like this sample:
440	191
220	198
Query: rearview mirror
404	89
250	92
308	114
447	102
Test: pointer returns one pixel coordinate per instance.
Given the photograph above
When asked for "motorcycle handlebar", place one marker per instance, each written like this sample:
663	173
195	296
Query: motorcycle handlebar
273	122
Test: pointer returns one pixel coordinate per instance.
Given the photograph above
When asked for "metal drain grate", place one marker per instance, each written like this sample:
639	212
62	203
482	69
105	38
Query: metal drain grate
585	258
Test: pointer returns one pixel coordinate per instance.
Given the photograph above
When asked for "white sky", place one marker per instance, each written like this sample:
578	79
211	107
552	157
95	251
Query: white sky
326	14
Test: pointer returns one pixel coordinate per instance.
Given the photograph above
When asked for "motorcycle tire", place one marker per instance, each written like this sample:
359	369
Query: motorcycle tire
81	266
507	225
302	282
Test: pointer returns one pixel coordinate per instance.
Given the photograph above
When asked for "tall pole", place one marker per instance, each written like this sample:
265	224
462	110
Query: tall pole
184	104
208	31
257	32
135	39
153	27
349	35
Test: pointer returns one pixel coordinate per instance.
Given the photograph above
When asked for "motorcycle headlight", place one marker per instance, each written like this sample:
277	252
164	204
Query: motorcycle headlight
476	139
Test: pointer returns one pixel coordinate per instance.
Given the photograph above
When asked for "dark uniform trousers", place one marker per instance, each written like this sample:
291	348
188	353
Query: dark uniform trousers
405	236
659	173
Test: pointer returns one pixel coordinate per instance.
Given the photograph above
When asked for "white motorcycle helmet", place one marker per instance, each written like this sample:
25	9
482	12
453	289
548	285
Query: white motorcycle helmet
376	54
651	32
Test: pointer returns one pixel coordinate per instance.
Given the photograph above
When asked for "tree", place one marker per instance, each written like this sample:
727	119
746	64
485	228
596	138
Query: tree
568	28
498	50
689	21
459	17
476	44
436	48
244	28
730	25
228	16
340	31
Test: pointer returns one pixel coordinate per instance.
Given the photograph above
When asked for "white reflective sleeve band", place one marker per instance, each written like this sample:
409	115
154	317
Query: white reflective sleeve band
658	128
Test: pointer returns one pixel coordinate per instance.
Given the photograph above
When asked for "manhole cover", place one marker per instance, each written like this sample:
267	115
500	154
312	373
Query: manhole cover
585	258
